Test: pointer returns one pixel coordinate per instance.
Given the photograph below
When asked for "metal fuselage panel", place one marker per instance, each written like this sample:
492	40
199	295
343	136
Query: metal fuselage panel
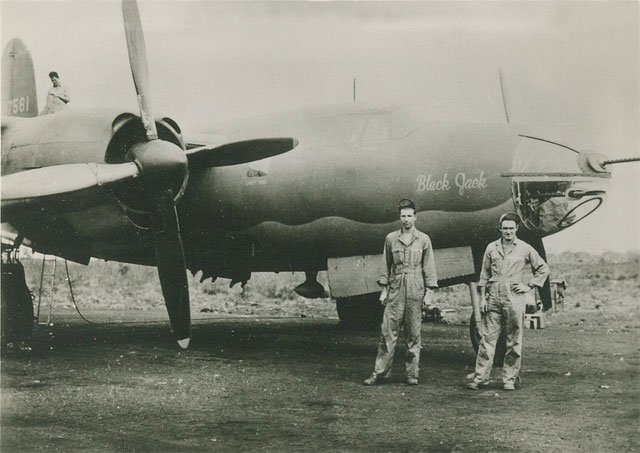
332	196
64	138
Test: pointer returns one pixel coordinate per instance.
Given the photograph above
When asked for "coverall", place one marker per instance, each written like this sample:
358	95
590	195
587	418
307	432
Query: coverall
409	270
505	308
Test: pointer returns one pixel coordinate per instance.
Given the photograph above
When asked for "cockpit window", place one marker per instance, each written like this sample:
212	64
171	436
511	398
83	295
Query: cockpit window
378	128
374	126
389	124
539	156
407	119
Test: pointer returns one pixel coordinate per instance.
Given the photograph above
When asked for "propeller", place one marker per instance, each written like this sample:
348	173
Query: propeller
138	63
164	173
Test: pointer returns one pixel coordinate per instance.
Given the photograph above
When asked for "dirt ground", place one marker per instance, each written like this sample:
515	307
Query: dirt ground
294	384
267	383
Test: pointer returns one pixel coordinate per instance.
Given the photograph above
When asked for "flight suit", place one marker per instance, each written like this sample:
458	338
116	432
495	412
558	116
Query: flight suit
409	270
505	308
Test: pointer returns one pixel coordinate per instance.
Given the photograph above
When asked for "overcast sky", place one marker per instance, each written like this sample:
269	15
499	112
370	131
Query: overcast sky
571	69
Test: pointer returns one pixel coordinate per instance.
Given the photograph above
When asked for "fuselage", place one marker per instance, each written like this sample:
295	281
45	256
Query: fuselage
333	195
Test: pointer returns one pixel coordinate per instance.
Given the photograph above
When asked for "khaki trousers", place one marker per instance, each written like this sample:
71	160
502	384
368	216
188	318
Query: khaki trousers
505	311
399	311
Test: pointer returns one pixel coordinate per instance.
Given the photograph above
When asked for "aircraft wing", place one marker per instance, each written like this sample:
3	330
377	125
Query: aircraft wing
61	187
238	152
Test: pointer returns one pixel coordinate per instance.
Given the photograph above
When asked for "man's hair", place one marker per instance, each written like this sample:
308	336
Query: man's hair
405	203
509	216
53	74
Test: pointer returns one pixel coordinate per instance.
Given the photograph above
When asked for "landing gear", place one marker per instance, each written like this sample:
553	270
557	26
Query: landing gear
16	304
363	312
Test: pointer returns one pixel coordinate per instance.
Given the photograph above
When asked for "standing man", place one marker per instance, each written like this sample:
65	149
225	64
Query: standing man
57	97
505	285
407	282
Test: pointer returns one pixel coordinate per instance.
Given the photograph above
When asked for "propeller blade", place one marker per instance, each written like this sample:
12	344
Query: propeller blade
139	66
235	153
172	269
57	183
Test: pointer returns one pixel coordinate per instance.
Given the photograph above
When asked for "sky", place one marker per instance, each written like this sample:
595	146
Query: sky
570	69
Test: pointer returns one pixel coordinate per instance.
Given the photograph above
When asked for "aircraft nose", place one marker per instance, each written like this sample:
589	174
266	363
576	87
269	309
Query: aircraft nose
555	186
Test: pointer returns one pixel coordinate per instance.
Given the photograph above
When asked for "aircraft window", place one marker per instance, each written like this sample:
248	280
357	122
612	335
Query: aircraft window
548	207
378	127
331	130
580	212
542	204
538	156
358	128
407	119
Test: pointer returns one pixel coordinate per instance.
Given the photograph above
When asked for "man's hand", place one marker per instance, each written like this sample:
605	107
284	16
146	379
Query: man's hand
483	305
520	288
427	301
383	296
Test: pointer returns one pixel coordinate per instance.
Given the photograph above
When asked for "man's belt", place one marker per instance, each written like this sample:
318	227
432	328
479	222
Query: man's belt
407	271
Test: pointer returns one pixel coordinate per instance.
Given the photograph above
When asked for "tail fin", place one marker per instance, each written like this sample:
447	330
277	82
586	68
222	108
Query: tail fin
19	97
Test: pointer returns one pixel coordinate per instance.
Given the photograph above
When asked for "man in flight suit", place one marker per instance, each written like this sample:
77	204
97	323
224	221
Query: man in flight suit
505	285
407	282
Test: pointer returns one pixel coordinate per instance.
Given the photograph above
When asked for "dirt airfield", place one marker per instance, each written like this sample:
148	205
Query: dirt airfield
292	382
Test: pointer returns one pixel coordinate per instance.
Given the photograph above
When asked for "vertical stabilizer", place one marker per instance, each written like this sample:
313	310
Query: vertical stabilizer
19	96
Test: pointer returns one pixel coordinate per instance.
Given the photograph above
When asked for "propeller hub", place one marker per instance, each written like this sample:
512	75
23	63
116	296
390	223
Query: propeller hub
159	157
163	166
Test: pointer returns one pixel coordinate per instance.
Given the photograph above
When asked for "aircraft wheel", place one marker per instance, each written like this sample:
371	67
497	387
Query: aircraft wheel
16	306
501	346
362	312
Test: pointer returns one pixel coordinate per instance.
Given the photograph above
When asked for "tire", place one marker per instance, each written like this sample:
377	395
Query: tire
501	346
16	305
362	312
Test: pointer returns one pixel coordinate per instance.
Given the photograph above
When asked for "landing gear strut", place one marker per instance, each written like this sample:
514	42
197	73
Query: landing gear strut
16	303
360	312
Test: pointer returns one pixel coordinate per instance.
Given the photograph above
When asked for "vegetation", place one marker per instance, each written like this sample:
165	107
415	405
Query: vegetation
606	282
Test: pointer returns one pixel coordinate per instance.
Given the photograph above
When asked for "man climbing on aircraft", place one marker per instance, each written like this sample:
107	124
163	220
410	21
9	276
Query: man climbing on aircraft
57	97
505	285
407	282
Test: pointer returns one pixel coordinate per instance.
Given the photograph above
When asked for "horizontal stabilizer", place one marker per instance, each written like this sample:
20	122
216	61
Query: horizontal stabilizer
239	152
58	183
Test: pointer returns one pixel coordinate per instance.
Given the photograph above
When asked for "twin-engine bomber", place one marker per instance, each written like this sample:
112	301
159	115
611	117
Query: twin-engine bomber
303	191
